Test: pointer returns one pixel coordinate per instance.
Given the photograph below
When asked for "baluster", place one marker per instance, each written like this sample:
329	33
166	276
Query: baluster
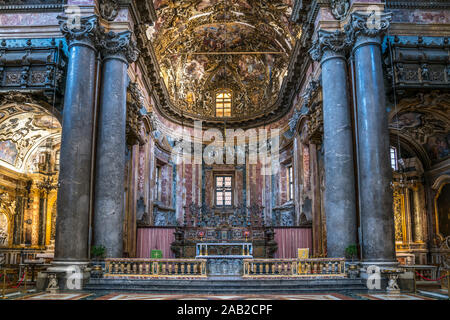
170	268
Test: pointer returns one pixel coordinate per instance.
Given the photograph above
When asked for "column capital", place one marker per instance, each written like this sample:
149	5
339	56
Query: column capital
334	43
119	45
369	25
82	31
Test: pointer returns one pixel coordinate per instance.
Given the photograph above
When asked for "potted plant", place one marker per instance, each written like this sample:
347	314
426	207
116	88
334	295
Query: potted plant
97	256
351	252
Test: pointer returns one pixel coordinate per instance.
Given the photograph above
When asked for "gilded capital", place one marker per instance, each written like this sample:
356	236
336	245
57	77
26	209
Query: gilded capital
79	29
334	41
368	24
119	44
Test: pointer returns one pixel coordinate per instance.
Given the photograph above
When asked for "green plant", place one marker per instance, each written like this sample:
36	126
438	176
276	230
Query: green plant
98	252
351	251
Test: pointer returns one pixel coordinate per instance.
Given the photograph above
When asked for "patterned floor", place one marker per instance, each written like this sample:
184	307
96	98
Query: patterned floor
137	296
149	296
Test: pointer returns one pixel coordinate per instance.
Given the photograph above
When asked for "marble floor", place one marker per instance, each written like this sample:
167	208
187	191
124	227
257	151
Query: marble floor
152	296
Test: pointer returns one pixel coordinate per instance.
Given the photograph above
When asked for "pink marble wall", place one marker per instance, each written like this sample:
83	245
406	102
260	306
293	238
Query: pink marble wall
29	19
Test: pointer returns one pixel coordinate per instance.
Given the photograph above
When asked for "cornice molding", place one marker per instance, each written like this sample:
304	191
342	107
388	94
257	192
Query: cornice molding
37	5
417	4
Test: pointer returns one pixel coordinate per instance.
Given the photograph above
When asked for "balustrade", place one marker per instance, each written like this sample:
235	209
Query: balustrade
294	267
155	267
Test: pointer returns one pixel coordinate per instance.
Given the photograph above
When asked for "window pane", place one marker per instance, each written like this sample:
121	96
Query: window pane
223	104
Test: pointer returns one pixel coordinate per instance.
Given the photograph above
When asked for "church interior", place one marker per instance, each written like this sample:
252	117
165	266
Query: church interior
299	145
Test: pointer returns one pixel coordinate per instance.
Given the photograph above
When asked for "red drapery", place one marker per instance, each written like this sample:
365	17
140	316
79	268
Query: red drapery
290	239
155	239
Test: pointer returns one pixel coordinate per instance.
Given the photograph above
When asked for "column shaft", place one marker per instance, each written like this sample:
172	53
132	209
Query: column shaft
375	174
118	50
339	198
110	166
72	224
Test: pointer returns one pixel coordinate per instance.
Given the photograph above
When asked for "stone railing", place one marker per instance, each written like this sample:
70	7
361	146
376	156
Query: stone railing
317	267
155	267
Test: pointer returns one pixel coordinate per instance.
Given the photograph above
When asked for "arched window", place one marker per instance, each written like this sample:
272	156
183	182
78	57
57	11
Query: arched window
394	159
223	103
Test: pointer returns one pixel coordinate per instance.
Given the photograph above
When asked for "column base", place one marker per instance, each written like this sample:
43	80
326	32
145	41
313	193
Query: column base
386	276
64	275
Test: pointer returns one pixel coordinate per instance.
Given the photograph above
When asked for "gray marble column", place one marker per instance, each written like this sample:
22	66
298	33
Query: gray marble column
72	223
340	206
117	50
375	174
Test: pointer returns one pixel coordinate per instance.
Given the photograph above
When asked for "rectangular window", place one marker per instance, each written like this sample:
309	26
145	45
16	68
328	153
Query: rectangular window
394	163
158	183
223	104
224	191
290	183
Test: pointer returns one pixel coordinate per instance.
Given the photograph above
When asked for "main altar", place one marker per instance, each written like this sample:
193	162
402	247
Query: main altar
224	237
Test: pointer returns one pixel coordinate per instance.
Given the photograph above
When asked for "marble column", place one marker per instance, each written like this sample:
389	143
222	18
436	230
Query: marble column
72	223
375	174
339	198
117	50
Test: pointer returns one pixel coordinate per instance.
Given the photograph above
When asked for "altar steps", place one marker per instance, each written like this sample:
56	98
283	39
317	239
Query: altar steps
207	286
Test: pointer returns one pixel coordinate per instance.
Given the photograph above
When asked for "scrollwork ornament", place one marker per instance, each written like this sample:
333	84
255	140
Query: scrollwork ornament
335	41
112	43
368	24
86	30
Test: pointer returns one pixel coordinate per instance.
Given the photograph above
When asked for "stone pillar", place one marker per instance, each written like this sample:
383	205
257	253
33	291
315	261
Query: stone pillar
72	224
375	174
117	50
340	205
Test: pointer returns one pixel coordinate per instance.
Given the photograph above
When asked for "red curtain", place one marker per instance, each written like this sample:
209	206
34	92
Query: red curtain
290	239
155	239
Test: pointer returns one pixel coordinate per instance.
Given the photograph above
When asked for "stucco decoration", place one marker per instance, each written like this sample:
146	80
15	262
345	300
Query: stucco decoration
239	45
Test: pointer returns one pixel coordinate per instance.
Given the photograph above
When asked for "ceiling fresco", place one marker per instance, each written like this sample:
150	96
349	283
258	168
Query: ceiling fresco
203	46
23	128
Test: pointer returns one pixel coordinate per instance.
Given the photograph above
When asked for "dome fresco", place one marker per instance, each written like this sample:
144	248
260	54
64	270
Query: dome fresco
205	47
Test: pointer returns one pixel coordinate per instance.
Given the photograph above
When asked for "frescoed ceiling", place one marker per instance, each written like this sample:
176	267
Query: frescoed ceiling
203	46
23	129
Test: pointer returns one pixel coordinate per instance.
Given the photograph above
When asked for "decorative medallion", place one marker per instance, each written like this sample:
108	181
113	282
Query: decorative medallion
339	8
109	9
